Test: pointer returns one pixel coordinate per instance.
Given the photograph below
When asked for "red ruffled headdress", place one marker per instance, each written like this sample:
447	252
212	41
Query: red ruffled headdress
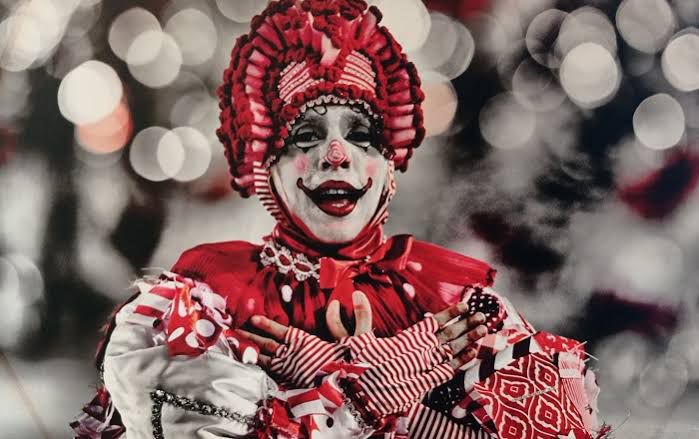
301	53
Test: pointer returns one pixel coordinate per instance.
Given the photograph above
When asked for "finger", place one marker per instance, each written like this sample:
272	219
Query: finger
271	327
264	360
265	344
362	313
456	329
463	358
467	339
332	318
446	315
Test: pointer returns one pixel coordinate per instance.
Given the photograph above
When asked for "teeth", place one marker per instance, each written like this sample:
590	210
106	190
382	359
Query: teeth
336	192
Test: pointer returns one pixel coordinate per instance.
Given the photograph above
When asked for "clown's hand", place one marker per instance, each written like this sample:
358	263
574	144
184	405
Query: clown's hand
292	355
367	348
393	373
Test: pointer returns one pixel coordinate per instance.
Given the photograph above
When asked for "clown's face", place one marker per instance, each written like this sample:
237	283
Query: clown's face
331	178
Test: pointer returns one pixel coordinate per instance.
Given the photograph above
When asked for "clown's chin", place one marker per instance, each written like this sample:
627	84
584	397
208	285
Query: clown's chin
335	198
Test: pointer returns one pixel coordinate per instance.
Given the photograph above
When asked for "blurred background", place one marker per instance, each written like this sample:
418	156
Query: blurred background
563	148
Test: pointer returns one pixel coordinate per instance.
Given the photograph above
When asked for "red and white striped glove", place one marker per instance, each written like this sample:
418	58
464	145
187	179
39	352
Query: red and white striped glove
295	361
399	370
388	375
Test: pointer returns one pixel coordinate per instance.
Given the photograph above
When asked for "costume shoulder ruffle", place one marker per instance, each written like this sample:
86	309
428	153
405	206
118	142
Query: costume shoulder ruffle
225	266
447	272
452	265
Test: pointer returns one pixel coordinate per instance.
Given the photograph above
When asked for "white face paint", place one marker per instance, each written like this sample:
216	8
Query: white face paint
331	178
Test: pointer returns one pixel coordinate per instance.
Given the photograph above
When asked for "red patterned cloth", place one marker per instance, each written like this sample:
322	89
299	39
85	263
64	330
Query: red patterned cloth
193	319
536	388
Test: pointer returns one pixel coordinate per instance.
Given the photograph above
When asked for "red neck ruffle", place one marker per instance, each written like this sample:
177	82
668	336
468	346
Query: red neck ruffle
403	279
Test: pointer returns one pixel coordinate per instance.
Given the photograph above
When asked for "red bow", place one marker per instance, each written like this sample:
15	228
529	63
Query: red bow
390	256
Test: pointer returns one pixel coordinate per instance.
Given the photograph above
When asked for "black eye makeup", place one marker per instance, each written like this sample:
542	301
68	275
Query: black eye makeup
360	135
359	130
306	136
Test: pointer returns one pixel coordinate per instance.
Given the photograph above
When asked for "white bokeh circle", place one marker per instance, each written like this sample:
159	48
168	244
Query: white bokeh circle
590	75
89	92
659	121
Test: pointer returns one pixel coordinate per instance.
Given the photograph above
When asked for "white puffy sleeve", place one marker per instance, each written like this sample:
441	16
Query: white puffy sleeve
174	368
203	391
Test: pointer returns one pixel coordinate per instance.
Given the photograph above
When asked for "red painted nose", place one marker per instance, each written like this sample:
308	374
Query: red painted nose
336	156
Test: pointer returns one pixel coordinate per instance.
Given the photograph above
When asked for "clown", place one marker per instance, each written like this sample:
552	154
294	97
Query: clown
329	328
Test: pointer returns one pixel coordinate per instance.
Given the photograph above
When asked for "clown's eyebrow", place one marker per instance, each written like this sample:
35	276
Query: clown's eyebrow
311	117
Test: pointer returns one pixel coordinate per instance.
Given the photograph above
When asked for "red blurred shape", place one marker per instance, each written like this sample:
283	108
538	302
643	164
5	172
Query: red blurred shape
109	134
8	145
214	188
461	9
657	195
607	313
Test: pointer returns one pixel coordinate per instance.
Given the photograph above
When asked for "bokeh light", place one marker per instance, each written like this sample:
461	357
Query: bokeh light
145	48
408	20
542	34
687	10
143	153
590	75
182	154
106	135
127	27
493	38
195	34
505	123
196	151
586	24
51	20
89	92
680	61
646	25
164	67
20	42
461	58
170	154
440	44
191	108
173	7
648	265
536	87
241	11
659	121
440	103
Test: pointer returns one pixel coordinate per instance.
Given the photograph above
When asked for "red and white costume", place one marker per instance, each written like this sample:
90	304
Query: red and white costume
173	367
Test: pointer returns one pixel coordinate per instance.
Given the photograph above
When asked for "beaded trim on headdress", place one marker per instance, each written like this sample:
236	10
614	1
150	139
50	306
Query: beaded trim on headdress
302	53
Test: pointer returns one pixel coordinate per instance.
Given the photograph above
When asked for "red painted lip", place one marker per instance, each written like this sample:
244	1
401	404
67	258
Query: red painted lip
335	197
